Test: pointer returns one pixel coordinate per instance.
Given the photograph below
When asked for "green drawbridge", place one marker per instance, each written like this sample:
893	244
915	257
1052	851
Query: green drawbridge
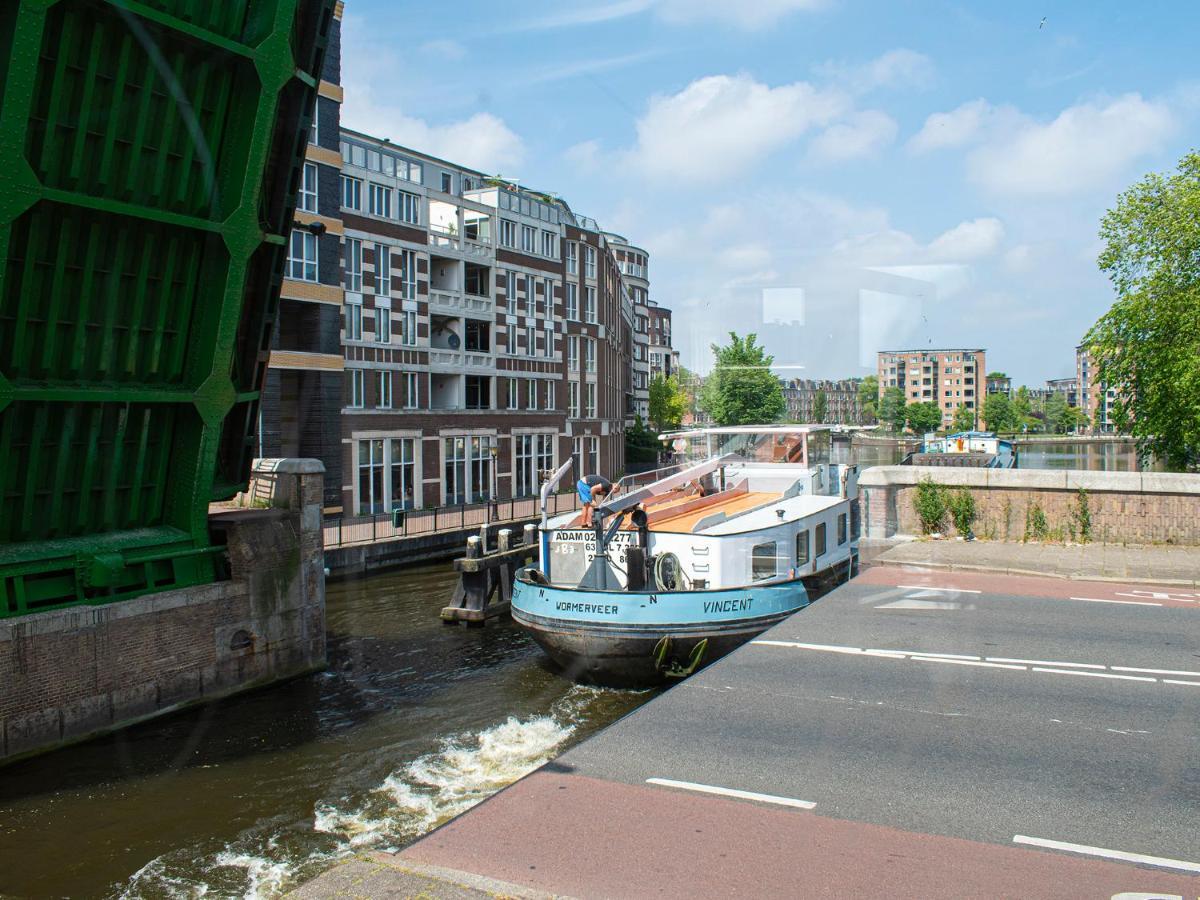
150	155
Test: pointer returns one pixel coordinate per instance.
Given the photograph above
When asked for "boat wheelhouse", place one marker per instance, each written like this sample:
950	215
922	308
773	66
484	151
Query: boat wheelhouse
971	449
738	535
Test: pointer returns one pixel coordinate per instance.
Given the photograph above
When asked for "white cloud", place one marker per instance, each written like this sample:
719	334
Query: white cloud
952	129
721	124
748	16
861	134
971	240
444	48
1084	147
894	69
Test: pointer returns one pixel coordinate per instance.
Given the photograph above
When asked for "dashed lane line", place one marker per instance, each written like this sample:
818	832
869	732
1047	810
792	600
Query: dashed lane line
1140	858
731	792
929	587
1121	602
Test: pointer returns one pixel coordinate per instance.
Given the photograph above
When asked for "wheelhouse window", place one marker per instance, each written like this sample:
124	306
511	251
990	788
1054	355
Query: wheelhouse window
841	526
820	540
762	561
802	548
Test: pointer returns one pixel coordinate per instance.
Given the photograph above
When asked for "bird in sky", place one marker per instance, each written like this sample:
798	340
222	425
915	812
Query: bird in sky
1041	23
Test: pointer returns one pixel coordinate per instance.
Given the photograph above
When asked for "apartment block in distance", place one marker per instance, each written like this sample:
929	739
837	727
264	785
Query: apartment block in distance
634	263
841	400
949	378
1096	398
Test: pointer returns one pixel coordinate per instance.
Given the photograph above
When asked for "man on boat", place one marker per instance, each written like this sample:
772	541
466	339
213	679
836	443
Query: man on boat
592	488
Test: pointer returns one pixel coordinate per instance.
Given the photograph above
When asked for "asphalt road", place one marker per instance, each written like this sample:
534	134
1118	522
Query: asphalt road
956	717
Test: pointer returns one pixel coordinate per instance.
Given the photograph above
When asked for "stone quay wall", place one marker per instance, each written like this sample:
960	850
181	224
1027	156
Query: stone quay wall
1123	507
74	673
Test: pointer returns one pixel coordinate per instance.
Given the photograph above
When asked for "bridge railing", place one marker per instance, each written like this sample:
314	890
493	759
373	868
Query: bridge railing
343	531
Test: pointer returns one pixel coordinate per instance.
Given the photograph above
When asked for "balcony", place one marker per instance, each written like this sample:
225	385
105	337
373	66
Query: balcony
449	242
462	359
458	303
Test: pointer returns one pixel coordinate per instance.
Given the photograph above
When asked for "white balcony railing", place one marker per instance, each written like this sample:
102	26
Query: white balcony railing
457	302
462	359
446	241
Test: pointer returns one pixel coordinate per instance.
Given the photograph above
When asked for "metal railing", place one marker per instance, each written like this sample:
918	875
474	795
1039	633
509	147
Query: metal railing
347	531
640	479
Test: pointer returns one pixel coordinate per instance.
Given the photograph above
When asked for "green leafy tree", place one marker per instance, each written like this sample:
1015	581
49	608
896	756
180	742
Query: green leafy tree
964	419
868	398
820	407
1022	406
923	417
997	375
741	389
641	443
668	402
1148	343
891	409
998	413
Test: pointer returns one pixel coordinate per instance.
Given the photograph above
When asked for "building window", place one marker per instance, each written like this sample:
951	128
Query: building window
508	233
481	467
572	301
590	264
513	402
302	256
548	248
308	186
530	340
802	548
354	265
408	328
586	455
524	476
380	201
762	561
370	477
589	304
510	293
411	390
510	340
383	326
573	400
353	321
447	183
841	529
478	392
548	347
351	192
573	353
528	234
531	401
404	473
530	296
572	258
408	275
455	470
408	207
591	401
589	355
312	132
551	400
549	285
357	391
384	400
820	540
383	271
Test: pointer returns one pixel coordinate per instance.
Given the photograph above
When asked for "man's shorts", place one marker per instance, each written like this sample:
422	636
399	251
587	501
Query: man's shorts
585	490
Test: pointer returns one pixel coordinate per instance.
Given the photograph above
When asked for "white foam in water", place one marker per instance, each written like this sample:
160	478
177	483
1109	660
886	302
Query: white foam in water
264	877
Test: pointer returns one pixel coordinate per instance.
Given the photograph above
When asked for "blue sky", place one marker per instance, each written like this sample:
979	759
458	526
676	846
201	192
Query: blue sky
840	176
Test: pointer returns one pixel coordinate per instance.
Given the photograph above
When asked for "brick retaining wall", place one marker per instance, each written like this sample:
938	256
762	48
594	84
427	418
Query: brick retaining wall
73	673
1125	507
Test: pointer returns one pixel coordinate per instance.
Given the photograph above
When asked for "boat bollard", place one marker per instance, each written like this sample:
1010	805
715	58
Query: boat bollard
529	535
474	548
504	540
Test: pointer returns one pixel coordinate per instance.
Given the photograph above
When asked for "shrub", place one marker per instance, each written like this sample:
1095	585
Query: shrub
962	510
1082	516
1036	527
929	502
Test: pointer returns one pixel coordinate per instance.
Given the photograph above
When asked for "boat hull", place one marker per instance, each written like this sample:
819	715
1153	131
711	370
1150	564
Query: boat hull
611	637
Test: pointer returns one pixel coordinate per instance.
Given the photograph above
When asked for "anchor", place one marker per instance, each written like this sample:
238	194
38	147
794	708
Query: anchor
671	667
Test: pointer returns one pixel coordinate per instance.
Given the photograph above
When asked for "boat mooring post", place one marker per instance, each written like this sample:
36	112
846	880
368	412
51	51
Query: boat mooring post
529	535
503	540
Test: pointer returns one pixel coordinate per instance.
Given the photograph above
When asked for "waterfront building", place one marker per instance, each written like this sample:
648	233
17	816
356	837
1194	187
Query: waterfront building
1067	387
841	400
998	383
948	378
447	336
1096	397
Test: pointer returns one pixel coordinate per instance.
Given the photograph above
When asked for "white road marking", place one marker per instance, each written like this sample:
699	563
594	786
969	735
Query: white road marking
914	603
1093	674
1045	662
731	792
964	662
1161	862
940	655
927	587
1122	602
1157	671
1173	681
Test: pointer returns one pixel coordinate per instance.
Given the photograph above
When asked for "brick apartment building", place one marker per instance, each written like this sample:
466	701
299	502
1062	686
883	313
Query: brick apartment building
1096	398
634	264
949	378
446	336
841	398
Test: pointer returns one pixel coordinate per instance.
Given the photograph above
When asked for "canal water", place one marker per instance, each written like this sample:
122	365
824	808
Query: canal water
412	723
1109	456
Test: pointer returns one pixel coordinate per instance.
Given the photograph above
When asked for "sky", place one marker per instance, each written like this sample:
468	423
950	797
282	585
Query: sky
838	176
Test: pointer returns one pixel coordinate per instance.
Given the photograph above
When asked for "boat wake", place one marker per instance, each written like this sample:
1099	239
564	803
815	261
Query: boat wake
466	768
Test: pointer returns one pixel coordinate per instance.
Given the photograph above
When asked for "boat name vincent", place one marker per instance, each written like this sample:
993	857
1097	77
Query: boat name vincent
715	606
599	609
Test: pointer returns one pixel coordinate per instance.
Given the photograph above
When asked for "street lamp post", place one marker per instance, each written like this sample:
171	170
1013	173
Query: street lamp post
492	512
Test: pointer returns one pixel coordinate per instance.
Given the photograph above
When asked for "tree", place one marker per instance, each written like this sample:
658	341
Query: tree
820	407
891	409
923	417
668	402
992	375
964	418
1022	406
998	413
1148	344
868	398
742	390
641	443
